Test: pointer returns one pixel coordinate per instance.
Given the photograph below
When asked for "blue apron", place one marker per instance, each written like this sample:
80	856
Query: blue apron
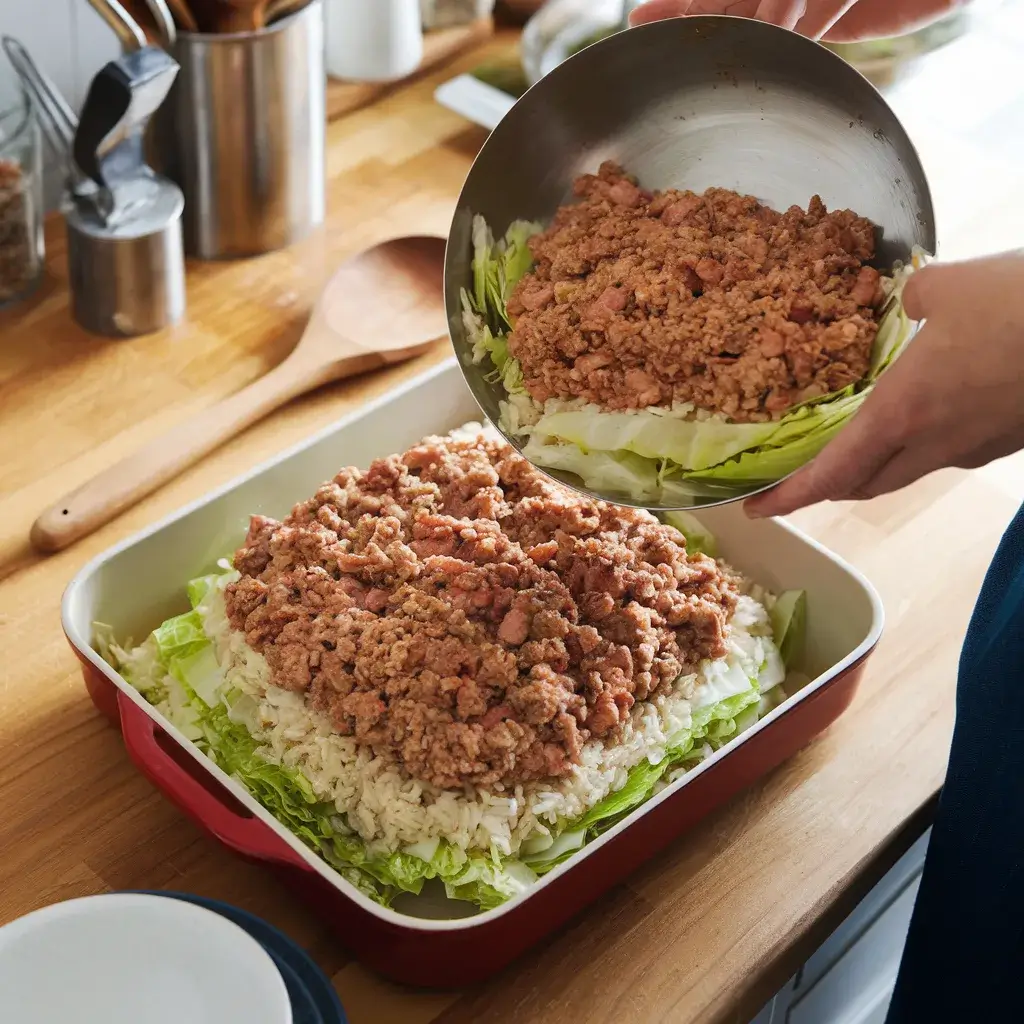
964	960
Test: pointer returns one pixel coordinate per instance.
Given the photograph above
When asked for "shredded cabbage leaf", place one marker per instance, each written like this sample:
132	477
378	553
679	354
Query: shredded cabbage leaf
176	669
658	456
699	539
497	268
789	625
735	705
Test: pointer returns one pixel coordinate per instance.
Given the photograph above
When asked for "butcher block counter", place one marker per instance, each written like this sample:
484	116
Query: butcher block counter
706	932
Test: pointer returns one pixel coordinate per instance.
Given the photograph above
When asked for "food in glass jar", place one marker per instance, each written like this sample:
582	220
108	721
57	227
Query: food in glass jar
19	261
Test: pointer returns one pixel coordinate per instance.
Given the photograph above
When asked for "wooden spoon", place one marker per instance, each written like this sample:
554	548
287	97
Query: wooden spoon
227	16
279	9
383	306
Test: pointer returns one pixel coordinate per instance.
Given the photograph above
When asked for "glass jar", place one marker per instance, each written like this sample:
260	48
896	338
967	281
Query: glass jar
21	201
450	13
562	28
881	60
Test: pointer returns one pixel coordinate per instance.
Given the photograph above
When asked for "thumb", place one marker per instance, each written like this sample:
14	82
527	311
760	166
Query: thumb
843	469
919	289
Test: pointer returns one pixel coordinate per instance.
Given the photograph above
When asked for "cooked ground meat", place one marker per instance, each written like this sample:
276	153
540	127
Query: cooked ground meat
454	609
642	298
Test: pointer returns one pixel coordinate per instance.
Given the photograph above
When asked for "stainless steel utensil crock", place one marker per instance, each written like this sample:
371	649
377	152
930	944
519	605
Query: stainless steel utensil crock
247	142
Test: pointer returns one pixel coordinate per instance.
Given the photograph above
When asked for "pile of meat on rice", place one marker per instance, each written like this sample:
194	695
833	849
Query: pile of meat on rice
643	299
469	621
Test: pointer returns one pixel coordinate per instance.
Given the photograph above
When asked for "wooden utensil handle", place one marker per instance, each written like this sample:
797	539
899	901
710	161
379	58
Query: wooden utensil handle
183	15
241	19
97	502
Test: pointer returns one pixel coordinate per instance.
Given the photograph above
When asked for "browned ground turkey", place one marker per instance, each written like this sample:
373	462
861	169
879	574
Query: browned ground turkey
456	610
641	299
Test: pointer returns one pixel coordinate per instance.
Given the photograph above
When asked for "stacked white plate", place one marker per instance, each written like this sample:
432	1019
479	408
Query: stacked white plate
141	958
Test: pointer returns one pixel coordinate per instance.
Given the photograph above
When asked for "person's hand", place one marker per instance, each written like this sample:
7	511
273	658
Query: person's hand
835	20
810	17
955	397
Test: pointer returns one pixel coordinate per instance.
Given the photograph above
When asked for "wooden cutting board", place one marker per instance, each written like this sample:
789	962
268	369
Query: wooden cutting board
439	47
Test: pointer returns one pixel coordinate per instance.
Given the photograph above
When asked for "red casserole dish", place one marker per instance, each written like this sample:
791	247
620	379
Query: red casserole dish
431	942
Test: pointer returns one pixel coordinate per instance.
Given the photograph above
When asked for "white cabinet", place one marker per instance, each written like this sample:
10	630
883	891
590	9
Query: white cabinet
850	979
775	1011
857	988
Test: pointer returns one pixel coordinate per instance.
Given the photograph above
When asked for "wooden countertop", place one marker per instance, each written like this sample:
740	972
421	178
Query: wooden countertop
706	932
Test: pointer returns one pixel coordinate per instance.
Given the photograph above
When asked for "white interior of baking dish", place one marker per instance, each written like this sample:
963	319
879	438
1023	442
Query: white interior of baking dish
141	582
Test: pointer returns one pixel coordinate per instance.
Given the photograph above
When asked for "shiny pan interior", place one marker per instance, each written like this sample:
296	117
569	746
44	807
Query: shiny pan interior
693	103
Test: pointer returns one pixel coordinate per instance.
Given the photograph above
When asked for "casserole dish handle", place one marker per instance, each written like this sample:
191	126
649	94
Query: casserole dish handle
247	836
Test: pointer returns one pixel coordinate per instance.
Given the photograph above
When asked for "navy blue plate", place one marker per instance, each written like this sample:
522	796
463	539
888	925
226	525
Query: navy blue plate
314	1000
304	1010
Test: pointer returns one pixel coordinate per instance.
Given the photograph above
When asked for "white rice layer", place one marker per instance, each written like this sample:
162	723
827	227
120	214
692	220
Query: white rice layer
390	811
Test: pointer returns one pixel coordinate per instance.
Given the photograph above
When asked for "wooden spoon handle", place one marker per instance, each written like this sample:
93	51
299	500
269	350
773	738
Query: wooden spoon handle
241	19
127	482
95	503
183	15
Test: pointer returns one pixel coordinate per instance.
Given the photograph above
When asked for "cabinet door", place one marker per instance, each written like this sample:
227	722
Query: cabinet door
849	979
857	988
775	1011
863	917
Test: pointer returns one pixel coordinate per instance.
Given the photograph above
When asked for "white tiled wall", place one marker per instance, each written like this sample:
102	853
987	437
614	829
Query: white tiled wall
66	38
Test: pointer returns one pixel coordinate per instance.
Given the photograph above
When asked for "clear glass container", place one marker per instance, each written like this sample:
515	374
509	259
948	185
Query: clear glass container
881	60
450	13
21	201
562	28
